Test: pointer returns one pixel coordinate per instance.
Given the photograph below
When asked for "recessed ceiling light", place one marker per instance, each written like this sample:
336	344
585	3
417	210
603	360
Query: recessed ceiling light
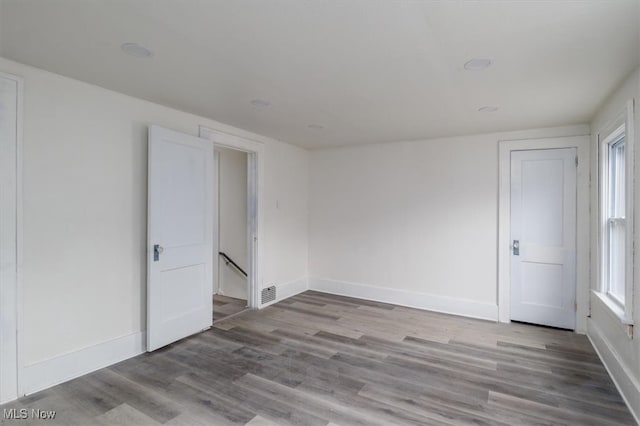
488	108
260	103
136	50
477	64
315	126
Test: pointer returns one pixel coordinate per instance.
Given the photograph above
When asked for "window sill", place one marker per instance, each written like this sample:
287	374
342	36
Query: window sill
616	310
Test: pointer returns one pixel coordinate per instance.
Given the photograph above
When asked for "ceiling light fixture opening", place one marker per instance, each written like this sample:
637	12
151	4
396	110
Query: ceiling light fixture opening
488	108
136	50
477	64
260	103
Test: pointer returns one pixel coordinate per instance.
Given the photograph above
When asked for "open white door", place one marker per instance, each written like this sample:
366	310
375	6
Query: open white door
180	236
543	237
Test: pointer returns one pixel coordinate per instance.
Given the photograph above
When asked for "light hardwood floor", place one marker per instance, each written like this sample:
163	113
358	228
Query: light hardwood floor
224	306
318	359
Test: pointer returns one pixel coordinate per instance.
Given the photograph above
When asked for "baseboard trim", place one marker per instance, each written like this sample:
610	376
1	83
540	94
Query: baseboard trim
627	385
286	290
60	369
425	301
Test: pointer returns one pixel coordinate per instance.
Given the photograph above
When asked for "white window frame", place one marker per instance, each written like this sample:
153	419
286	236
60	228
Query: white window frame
621	125
610	220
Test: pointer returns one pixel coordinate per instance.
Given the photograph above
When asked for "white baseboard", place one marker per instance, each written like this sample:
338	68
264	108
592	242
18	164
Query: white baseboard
53	371
429	302
286	290
60	369
619	372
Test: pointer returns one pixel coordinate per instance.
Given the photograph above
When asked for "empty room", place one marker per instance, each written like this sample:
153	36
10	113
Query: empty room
319	212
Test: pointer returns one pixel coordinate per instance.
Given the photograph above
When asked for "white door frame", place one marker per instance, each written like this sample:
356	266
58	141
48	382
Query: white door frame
216	222
255	218
505	147
11	254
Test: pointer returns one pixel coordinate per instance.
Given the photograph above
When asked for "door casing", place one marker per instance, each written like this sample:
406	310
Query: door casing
255	218
505	147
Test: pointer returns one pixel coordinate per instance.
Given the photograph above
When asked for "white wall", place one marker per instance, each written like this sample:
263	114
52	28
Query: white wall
620	354
413	223
10	104
85	177
232	219
286	213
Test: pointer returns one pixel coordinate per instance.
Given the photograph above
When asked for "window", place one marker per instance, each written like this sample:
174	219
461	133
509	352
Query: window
615	226
616	215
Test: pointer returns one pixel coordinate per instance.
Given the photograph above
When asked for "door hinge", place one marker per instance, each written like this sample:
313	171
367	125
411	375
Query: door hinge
576	161
575	307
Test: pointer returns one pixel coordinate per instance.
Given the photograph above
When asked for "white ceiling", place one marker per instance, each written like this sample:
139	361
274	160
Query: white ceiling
366	70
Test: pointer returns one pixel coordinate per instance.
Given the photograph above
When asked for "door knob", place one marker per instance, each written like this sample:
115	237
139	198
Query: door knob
516	247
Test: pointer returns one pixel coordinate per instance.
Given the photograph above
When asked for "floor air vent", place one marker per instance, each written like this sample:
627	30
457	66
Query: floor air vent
268	294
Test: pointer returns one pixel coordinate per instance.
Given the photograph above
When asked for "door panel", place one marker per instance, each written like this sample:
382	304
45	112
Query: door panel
184	188
180	214
539	284
542	207
543	221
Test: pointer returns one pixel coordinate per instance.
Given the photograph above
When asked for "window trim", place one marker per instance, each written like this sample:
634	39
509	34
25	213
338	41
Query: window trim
609	218
622	124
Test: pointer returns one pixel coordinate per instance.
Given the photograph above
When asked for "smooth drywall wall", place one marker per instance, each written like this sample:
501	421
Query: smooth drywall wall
85	210
232	221
286	194
411	222
619	351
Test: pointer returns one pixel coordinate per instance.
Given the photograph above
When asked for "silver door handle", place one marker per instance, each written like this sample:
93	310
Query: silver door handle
516	247
157	249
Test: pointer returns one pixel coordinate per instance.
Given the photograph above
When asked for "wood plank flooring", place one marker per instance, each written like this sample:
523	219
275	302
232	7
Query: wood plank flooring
224	306
318	359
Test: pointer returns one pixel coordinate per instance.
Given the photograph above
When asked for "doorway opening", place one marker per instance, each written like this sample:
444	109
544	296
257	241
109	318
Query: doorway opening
229	269
231	283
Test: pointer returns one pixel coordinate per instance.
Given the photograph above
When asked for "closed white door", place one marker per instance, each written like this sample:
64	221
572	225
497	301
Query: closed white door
180	236
543	237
